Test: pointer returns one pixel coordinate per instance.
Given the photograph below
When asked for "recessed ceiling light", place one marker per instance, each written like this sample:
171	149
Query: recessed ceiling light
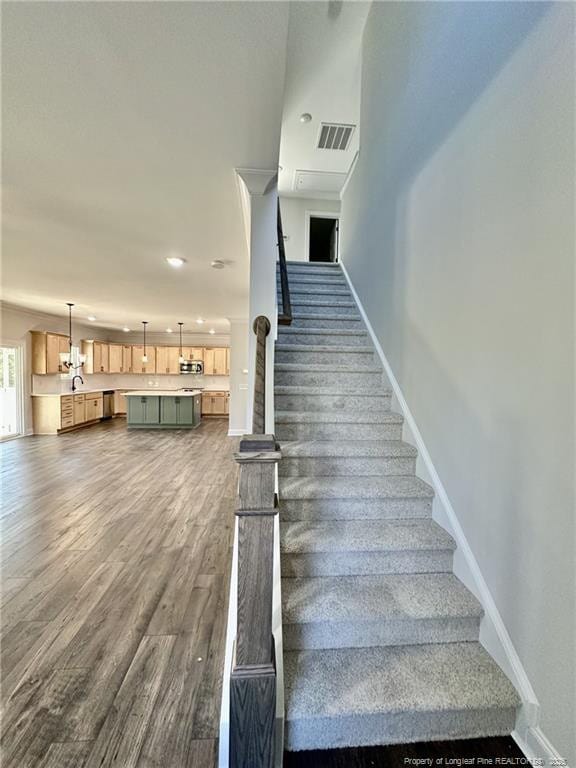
211	330
91	318
126	329
217	264
305	117
168	330
175	261
199	321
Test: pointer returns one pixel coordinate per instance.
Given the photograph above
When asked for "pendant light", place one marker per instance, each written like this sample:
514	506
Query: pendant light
66	357
181	357
144	356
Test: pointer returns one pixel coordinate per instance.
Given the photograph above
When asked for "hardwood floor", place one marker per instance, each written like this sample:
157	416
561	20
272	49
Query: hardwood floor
116	553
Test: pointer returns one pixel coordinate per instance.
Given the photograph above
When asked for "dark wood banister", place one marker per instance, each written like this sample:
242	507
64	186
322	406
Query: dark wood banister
284	316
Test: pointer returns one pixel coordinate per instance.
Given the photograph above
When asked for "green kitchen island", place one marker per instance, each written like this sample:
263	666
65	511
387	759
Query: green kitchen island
163	409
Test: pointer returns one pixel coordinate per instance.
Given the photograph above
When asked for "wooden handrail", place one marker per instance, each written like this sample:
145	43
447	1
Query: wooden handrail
285	316
253	676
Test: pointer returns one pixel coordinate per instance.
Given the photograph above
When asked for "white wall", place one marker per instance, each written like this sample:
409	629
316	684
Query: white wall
293	211
239	336
458	235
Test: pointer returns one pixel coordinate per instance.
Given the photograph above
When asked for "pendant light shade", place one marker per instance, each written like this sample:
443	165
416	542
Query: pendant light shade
181	355
66	358
144	356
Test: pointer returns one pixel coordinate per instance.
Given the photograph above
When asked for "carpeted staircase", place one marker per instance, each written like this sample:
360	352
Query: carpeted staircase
380	638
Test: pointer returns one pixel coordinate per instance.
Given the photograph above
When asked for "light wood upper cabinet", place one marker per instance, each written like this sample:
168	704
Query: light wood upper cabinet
193	353
115	358
137	365
126	359
46	349
227	361
173	360
101	357
216	361
161	359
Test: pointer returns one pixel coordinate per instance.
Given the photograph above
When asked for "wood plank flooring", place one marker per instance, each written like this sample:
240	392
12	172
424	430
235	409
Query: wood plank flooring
116	552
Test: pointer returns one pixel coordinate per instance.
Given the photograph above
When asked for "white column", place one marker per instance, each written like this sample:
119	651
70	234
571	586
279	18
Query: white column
260	200
239	337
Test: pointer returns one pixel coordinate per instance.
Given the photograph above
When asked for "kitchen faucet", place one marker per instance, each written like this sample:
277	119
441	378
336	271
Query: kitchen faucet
74	382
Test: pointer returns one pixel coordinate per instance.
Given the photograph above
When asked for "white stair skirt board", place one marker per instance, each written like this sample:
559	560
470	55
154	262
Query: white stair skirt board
493	633
224	731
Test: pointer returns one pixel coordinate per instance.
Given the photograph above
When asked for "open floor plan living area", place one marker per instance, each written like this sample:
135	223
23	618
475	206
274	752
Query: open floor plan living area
288	403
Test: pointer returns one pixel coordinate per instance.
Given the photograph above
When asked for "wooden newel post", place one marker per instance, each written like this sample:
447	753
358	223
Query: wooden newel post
253	678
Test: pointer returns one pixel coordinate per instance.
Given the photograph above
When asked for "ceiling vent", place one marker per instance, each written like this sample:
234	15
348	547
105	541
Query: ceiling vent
335	136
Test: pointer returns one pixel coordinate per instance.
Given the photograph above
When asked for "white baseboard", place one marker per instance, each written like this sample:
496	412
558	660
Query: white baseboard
493	633
537	748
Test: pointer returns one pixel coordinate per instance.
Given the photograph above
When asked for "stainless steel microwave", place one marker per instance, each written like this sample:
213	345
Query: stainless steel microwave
192	366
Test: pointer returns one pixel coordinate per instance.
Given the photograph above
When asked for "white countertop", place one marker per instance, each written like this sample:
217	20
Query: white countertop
163	393
127	390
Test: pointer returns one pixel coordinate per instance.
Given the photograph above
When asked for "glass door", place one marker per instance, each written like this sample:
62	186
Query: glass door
10	383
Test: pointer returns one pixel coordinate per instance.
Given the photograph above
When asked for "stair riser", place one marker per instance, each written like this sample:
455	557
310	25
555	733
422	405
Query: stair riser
332	403
343	431
329	339
319	321
354	509
397	728
311	564
378	632
304	357
297	279
305	290
322	307
348	381
315	466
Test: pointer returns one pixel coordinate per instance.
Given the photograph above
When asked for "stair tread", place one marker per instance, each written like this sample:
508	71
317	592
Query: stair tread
304	389
391	487
327	367
287	330
337	417
347	449
363	536
337	350
418	678
327	316
392	597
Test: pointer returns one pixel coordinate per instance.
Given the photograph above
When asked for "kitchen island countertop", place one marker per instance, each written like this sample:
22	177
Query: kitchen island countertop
163	393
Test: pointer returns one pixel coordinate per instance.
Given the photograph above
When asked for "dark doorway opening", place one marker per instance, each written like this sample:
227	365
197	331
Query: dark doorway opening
323	239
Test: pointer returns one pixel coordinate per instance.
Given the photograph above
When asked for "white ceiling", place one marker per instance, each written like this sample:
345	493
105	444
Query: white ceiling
122	125
322	78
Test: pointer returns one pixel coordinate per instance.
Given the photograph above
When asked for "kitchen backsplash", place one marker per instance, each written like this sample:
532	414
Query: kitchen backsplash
44	385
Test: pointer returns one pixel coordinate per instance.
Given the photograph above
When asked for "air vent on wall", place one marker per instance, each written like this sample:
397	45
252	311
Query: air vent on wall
334	136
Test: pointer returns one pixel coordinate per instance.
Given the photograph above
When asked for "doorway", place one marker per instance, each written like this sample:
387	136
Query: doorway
10	392
322	237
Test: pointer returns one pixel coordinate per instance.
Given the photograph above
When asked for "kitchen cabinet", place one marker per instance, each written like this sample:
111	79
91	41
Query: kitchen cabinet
215	361
215	403
46	349
56	413
126	358
137	365
101	353
94	403
79	409
115	358
119	401
161	359
173	360
178	411
193	353
143	410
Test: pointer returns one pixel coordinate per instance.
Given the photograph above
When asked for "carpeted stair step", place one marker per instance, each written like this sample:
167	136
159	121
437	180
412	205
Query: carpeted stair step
361	547
330	399
321	458
322	336
394	695
354	498
377	609
347	377
332	425
317	289
335	321
356	356
303	304
296	278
